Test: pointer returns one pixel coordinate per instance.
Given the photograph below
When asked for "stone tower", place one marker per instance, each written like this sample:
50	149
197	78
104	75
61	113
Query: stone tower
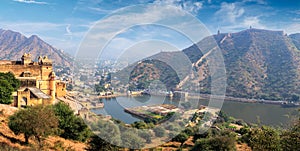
26	59
38	81
52	85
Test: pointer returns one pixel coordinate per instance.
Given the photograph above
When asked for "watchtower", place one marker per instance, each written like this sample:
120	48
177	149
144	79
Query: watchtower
26	59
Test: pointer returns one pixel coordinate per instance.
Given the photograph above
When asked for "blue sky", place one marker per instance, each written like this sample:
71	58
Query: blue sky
64	23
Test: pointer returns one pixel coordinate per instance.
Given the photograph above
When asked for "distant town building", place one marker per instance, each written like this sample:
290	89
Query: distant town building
38	83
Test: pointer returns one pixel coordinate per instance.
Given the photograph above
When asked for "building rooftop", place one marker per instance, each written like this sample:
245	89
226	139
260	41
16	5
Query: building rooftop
38	93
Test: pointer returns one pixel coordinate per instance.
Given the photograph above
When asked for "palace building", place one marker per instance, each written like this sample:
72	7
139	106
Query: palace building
38	83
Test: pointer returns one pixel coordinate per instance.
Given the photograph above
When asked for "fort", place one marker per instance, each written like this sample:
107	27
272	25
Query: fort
38	83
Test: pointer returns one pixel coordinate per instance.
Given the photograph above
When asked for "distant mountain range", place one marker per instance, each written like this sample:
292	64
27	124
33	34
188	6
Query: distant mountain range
13	45
259	64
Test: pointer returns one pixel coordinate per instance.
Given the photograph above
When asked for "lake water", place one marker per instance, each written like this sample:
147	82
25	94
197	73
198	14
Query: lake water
268	114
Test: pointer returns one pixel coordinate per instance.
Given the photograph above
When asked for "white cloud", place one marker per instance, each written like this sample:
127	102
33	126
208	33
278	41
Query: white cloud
296	19
157	14
245	23
292	28
99	10
297	12
262	2
31	2
229	13
58	35
197	6
29	28
192	7
232	17
253	21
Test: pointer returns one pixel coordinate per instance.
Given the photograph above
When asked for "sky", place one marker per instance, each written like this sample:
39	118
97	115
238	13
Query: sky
66	23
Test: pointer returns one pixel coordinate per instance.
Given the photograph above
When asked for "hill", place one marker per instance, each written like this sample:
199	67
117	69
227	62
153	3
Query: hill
10	141
259	64
13	45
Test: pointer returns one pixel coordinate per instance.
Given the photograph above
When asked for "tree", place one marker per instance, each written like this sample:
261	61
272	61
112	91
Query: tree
131	140
171	135
190	131
11	79
290	138
98	144
99	88
140	125
8	84
145	135
5	92
295	98
71	126
216	140
245	132
222	143
173	127
108	131
265	138
181	137
159	131
223	117
39	121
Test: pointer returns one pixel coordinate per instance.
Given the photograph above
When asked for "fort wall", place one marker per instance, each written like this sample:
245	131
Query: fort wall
34	74
61	89
17	70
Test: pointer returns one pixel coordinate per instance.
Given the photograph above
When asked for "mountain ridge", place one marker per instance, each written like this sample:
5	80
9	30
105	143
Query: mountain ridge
13	45
259	63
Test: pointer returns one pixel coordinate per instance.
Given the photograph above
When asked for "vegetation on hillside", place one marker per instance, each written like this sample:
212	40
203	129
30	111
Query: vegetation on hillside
259	64
225	133
150	70
8	84
70	125
41	121
38	121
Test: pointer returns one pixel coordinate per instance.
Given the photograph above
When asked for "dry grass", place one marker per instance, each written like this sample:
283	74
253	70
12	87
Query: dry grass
242	147
10	140
54	143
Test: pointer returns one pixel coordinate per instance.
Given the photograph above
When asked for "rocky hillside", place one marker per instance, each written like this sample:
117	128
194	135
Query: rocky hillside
259	64
13	45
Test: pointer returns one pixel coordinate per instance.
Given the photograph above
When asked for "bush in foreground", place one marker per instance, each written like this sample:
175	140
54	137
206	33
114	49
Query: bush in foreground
38	121
71	126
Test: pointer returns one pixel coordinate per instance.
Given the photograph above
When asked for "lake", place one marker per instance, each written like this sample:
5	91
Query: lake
268	114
